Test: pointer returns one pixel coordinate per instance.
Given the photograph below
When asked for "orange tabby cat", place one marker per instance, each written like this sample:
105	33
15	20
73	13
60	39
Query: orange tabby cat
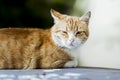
36	48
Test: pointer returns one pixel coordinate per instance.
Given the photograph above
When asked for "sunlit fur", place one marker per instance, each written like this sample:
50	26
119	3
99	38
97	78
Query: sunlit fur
37	48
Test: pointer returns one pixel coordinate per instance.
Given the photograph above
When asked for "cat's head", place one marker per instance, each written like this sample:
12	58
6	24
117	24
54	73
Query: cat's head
70	31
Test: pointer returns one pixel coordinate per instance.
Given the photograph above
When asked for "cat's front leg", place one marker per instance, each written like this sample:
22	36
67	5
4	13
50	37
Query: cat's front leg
58	64
73	63
30	64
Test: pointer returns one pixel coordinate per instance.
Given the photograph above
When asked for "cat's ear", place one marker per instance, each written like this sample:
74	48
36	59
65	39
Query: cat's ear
56	15
85	18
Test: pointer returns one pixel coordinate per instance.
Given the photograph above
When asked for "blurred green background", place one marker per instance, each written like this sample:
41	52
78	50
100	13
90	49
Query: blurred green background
31	13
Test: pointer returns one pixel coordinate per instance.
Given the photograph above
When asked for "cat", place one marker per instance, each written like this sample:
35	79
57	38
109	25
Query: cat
33	48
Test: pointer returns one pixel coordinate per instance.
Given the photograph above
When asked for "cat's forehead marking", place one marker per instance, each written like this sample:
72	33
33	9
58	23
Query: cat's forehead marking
72	24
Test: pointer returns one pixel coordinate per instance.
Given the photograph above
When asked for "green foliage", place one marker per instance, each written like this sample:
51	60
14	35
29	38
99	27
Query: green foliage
31	13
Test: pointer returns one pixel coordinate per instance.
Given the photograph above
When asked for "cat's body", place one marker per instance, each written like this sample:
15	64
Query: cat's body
37	48
29	48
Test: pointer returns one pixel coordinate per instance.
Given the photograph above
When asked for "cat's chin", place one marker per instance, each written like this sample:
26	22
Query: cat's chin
71	47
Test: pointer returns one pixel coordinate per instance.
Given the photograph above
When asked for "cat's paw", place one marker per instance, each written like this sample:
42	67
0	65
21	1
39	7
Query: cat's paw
71	64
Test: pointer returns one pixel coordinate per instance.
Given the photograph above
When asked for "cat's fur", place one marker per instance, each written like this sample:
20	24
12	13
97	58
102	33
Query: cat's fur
37	48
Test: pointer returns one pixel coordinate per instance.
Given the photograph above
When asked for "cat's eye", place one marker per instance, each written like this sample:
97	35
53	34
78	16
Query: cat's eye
79	32
64	32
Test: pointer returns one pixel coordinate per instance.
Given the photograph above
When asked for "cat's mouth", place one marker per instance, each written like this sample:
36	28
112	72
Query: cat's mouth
71	46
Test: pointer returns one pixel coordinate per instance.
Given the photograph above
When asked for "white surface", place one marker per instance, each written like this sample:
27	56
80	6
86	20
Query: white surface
61	74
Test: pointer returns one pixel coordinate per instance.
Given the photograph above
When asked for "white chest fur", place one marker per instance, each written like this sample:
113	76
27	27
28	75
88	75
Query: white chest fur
74	53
